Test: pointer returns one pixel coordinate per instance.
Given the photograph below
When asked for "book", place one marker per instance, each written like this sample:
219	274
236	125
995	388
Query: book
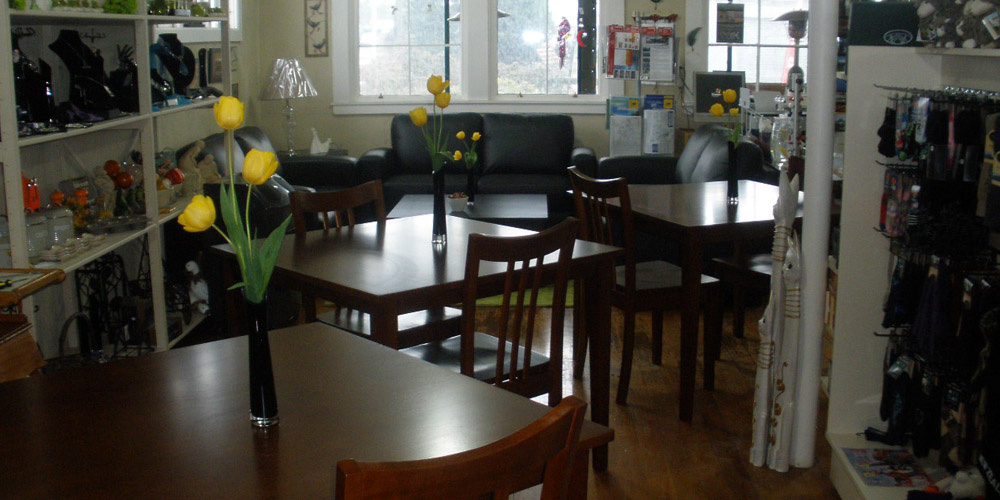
887	467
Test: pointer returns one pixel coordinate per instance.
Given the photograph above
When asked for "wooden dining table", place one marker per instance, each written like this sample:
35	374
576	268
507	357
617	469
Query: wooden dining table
176	424
694	215
388	269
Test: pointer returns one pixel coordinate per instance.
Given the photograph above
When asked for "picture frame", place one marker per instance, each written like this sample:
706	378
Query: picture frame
317	36
214	69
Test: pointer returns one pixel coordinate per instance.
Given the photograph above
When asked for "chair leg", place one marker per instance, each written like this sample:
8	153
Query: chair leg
712	337
628	348
579	331
309	307
656	346
739	309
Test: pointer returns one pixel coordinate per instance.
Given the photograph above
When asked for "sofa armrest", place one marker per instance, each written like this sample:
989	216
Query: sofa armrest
378	163
584	159
640	169
321	171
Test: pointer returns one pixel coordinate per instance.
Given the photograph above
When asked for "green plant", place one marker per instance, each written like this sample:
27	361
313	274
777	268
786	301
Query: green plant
17	4
120	6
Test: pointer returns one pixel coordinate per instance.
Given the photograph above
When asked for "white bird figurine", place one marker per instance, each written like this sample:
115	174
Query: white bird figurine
319	148
197	287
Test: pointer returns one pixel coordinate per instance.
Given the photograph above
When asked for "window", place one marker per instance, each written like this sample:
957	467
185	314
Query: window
767	51
497	52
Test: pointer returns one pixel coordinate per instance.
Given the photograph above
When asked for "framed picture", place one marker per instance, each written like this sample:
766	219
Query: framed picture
214	69
317	35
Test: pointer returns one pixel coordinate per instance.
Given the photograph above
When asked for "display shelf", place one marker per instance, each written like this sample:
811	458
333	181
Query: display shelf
935	51
183	19
40	17
849	483
112	242
196	319
122	122
201	103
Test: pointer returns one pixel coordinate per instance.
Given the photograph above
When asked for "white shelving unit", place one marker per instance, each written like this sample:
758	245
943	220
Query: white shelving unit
856	370
100	137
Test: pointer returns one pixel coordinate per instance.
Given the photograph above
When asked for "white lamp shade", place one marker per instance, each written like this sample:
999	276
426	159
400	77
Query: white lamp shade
288	80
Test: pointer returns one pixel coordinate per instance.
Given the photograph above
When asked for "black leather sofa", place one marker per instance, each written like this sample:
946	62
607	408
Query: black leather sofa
518	154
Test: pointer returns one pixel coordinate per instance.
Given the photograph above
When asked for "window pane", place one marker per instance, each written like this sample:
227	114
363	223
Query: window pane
384	70
775	63
402	43
537	51
744	59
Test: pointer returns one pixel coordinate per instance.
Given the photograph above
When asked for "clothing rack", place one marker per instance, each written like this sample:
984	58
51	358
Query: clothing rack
949	93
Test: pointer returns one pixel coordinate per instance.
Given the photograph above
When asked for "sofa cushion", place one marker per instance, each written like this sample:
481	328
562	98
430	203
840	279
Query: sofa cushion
525	184
422	183
526	143
411	147
705	156
253	138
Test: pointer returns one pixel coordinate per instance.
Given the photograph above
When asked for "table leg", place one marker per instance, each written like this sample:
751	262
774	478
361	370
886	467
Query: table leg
691	284
598	329
384	320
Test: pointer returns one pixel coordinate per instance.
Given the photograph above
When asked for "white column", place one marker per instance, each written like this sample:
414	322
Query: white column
821	81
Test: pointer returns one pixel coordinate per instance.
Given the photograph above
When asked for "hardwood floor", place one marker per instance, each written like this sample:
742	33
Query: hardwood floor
656	456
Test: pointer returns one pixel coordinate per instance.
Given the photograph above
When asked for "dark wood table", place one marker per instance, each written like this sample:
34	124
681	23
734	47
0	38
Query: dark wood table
693	215
390	269
176	424
487	206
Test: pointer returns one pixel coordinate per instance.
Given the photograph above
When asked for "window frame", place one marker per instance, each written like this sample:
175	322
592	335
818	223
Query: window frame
479	74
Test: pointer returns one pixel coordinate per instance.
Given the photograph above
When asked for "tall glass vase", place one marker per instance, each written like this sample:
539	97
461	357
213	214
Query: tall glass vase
470	184
732	179
440	234
263	399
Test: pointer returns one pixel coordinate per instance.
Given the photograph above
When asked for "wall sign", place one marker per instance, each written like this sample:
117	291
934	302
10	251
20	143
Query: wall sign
729	27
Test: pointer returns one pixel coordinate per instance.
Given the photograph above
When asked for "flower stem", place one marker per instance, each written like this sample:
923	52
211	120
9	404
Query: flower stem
246	217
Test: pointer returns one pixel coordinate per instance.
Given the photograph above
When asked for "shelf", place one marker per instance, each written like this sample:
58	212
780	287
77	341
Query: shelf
113	241
850	485
196	319
38	17
201	103
935	51
184	19
97	127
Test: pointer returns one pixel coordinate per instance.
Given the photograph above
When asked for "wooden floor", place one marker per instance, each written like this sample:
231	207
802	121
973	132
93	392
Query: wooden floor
656	456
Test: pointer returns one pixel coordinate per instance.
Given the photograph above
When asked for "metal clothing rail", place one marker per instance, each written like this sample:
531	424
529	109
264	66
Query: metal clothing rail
949	93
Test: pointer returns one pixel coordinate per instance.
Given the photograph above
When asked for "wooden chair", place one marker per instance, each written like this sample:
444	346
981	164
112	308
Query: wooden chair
646	286
19	354
509	361
541	453
415	327
743	273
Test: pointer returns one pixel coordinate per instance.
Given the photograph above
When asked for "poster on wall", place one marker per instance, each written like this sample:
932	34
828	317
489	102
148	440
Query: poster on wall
317	36
729	27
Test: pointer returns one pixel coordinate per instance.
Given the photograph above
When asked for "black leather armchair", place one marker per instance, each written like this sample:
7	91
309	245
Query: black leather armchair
705	158
518	154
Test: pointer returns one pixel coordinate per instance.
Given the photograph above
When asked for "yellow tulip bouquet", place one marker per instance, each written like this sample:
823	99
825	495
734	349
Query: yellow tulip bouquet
436	140
256	259
733	121
470	157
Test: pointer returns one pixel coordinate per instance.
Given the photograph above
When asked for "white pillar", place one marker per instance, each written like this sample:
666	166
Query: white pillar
821	81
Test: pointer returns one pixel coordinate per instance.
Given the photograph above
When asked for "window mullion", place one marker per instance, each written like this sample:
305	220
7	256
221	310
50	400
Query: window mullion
476	68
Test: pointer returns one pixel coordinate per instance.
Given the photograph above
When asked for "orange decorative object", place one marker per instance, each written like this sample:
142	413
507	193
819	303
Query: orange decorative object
57	198
176	176
29	187
123	180
81	196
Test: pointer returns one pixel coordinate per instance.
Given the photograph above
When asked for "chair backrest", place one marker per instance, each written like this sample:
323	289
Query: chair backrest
341	203
543	452
524	275
591	199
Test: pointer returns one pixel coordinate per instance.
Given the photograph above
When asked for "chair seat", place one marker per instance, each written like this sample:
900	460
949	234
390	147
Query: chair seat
656	274
447	354
414	328
754	270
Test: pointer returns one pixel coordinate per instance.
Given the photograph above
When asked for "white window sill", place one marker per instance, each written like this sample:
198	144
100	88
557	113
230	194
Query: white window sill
589	106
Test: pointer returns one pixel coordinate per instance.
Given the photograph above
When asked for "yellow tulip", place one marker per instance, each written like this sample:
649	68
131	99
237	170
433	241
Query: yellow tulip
258	166
229	113
716	110
442	100
460	135
729	96
457	156
199	215
419	116
436	84
476	136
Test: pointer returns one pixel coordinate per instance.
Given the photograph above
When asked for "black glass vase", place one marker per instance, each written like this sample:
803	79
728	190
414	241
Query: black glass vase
440	234
732	178
263	399
470	184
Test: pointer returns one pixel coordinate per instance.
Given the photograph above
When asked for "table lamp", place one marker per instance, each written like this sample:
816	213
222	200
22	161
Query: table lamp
288	81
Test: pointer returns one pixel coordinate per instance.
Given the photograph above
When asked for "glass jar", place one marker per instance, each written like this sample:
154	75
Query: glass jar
38	236
59	221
